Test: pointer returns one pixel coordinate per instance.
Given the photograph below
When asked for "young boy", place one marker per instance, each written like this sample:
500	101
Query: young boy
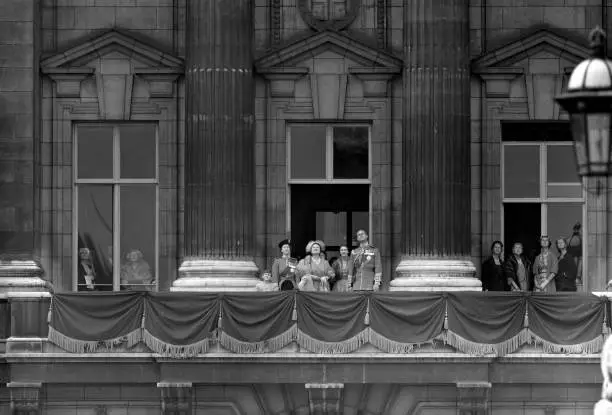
266	283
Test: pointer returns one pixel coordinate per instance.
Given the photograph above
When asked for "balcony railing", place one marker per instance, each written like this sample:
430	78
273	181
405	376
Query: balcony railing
183	325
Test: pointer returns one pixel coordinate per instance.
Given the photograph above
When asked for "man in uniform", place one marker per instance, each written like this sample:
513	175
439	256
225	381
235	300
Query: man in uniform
365	267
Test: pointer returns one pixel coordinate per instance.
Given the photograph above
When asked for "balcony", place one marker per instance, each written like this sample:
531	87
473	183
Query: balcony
310	337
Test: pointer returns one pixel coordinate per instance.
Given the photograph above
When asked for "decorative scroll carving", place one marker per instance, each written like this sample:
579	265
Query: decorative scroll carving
474	398
275	21
25	398
176	398
325	398
317	17
381	26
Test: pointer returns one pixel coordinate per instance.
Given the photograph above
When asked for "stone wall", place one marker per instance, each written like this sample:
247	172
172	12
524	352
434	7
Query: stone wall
266	399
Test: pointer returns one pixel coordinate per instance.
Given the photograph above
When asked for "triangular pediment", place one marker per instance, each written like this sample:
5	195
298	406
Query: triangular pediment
543	43
112	45
328	42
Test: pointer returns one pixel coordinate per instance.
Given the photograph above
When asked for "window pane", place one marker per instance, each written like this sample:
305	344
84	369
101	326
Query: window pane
561	219
308	152
331	226
561	164
137	151
95	152
95	232
351	153
567	191
521	171
138	237
522	223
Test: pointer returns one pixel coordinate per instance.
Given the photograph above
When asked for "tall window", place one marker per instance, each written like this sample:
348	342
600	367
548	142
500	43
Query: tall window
329	154
329	178
542	193
116	207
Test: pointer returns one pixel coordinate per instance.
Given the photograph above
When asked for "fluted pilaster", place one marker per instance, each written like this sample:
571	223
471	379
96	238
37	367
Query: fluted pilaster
219	164
436	204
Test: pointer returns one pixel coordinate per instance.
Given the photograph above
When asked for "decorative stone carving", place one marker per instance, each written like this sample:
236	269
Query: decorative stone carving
24	398
322	15
325	398
342	57
176	398
113	59
473	398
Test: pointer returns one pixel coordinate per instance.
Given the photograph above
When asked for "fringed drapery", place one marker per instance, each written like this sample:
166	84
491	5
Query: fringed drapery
182	325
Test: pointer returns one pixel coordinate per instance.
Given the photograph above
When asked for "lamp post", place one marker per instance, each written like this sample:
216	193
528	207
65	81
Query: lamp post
588	100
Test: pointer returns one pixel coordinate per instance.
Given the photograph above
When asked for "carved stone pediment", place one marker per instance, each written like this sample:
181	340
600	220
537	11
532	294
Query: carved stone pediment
543	43
112	65
533	67
324	63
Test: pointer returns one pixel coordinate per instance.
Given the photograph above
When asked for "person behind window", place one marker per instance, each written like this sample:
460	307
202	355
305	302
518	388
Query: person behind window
545	267
136	273
574	248
492	270
566	269
87	272
517	269
314	271
283	268
365	266
341	267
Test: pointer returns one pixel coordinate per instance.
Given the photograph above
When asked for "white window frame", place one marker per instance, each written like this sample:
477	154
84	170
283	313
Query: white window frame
543	200
329	167
329	155
116	182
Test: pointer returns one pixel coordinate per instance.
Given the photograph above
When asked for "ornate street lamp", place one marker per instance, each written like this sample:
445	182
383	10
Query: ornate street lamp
588	100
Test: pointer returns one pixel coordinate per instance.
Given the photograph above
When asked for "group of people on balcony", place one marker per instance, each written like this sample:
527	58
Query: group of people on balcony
548	272
359	270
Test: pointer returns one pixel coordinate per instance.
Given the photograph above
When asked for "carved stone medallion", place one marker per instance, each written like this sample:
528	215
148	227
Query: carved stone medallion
328	14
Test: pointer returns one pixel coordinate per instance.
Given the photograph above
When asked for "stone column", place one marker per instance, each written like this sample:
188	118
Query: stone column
219	150
436	152
19	125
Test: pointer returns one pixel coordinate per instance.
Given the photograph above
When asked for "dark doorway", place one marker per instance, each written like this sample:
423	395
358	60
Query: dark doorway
522	223
331	212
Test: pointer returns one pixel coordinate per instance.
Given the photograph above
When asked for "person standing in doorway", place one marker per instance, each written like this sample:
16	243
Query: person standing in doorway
365	265
492	272
517	269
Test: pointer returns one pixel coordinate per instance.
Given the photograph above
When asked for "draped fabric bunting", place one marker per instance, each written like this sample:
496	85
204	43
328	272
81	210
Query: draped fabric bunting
332	323
257	322
490	322
178	324
82	323
400	323
575	328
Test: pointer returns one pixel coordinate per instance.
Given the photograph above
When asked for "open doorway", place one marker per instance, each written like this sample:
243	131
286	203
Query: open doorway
330	212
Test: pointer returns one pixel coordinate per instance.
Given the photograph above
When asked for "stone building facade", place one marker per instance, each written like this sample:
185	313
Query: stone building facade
237	121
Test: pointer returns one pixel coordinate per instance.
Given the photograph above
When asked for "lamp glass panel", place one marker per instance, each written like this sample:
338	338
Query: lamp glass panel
579	134
598	136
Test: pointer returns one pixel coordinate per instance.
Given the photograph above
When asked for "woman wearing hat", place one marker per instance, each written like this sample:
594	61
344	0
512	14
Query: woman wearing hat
314	271
283	268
